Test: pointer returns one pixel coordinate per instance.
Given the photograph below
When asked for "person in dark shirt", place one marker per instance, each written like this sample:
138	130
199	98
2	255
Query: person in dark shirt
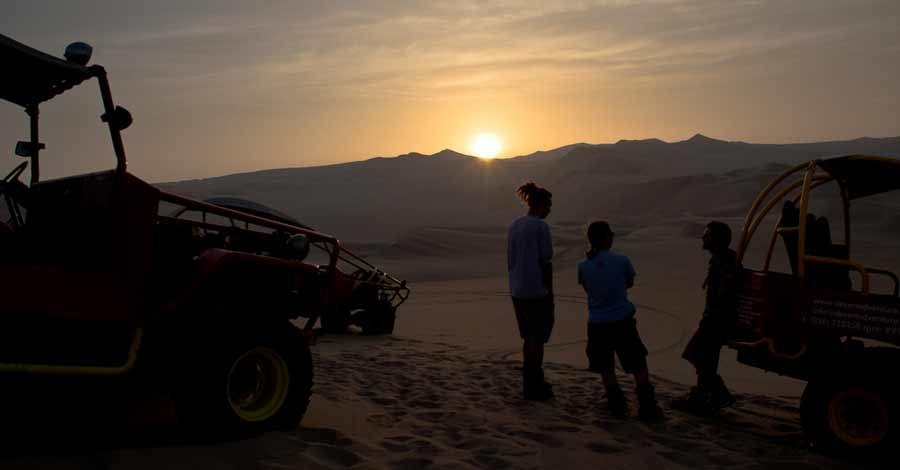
612	331
721	284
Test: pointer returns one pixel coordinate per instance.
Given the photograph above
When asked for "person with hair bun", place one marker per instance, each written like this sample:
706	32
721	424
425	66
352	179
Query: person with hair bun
529	253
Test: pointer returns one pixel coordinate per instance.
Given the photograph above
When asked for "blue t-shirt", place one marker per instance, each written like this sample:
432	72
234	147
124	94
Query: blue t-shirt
605	279
529	248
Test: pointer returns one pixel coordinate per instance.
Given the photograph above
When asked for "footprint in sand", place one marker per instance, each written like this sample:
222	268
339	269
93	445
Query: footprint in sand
605	447
490	461
543	439
384	401
411	464
323	436
334	455
559	428
382	420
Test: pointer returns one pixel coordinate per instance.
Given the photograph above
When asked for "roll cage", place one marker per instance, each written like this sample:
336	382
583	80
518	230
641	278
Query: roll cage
32	77
857	176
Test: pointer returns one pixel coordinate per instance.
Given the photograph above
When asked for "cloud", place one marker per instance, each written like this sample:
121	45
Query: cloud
190	60
413	51
419	49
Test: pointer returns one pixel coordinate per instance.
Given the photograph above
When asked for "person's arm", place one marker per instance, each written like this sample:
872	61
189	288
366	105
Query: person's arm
629	275
547	276
729	284
545	248
509	251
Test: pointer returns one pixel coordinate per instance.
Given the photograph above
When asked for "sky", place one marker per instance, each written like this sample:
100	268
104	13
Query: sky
227	86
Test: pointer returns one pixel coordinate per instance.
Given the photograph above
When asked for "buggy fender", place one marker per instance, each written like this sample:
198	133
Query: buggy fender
228	283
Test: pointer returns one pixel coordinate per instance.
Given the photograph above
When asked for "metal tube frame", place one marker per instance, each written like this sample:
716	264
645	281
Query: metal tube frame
34	113
225	212
755	217
817	181
109	109
745	239
375	276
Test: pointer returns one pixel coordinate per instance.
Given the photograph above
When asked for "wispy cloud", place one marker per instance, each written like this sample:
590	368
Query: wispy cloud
287	55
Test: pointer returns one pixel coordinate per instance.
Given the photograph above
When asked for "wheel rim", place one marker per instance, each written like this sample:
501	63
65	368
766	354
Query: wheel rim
258	384
858	417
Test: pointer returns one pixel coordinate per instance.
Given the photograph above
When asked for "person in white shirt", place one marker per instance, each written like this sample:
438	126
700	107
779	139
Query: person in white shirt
529	253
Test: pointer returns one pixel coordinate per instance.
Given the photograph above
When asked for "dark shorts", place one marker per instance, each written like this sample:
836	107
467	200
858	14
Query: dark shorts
535	318
606	340
703	350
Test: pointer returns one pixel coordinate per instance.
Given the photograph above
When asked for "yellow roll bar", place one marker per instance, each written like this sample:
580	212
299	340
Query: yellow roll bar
759	200
52	369
770	344
842	262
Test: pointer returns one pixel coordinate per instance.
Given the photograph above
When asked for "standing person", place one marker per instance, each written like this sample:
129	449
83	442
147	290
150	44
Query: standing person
710	394
612	330
529	253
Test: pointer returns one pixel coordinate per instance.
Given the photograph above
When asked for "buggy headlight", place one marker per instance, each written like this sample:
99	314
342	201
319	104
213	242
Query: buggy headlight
79	53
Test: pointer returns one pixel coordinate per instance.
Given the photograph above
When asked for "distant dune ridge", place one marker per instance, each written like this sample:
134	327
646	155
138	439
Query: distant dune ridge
381	199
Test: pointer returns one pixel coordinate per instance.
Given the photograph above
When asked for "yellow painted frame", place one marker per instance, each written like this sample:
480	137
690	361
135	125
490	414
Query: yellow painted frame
51	369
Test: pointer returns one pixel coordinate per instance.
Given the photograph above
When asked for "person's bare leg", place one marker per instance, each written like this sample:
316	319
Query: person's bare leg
532	354
642	377
609	380
615	399
532	371
649	408
527	356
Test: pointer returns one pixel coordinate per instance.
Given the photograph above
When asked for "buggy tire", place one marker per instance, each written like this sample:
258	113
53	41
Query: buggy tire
335	321
379	319
251	380
852	416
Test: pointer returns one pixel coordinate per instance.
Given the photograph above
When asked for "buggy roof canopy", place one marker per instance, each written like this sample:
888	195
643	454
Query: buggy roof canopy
863	175
30	77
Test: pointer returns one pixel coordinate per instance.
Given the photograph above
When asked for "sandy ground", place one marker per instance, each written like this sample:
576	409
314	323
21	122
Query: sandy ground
444	390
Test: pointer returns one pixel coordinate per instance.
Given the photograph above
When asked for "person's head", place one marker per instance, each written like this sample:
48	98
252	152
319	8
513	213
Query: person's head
538	199
599	235
716	237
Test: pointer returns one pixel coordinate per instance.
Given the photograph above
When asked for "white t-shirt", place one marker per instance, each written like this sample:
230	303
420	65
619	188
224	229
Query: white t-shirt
528	247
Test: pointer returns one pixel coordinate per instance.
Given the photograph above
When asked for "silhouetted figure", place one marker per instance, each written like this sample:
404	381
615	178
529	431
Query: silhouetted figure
719	315
529	253
612	330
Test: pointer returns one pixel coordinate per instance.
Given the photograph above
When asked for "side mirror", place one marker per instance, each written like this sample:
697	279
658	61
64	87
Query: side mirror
297	247
26	150
119	118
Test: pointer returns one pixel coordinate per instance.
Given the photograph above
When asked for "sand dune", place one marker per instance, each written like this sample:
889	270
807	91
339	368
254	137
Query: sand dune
380	199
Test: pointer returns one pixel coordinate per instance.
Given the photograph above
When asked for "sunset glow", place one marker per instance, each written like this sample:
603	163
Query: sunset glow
486	145
243	88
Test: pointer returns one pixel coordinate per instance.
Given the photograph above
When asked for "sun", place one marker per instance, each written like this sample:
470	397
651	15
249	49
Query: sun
486	145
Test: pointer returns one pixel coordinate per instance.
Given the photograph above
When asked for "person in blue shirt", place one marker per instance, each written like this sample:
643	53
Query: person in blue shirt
528	254
612	330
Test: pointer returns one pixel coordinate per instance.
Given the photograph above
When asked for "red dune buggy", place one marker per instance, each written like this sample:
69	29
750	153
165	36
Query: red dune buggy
100	287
